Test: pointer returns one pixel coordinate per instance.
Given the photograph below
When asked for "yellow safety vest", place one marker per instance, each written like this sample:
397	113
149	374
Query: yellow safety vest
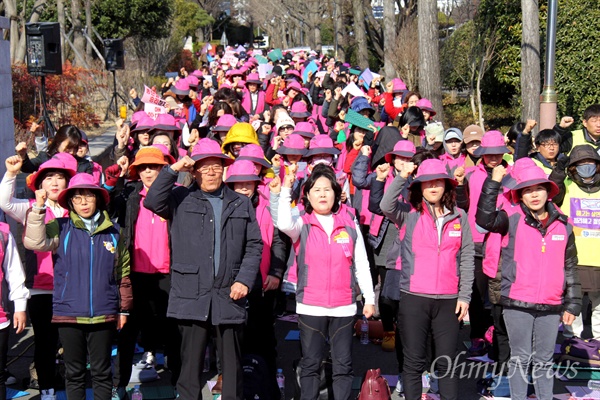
547	170
579	138
584	211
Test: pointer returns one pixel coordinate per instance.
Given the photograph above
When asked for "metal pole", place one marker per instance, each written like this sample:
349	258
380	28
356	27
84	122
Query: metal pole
548	98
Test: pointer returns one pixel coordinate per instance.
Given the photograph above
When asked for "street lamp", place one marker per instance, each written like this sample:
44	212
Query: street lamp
548	98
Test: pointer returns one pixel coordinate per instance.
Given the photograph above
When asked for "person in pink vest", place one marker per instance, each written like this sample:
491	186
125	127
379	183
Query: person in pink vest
436	279
540	283
470	181
53	176
254	99
12	278
453	155
146	236
331	259
254	153
259	331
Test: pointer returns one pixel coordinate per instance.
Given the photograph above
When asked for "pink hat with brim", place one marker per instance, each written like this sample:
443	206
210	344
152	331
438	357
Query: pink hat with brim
82	181
293	85
60	162
293	145
425	105
193	81
137	116
404	148
181	87
299	110
145	123
166	122
304	129
165	151
321	144
431	170
224	123
242	171
530	174
254	78
254	153
209	148
198	74
398	85
492	143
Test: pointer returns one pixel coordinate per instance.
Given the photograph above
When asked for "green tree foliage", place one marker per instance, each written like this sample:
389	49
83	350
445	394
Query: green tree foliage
577	59
188	18
144	18
456	55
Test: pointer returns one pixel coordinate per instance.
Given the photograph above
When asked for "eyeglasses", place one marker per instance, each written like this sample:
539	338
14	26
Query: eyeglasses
78	198
153	167
549	145
214	168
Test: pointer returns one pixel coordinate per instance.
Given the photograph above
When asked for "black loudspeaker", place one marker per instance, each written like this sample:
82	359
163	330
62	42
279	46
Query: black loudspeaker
114	57
43	48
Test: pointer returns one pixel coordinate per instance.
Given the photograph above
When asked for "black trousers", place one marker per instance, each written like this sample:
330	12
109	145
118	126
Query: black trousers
79	341
194	338
45	338
314	332
418	316
501	344
4	333
149	315
480	318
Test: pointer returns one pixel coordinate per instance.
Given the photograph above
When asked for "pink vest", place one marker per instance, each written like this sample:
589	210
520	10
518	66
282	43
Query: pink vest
260	103
4	234
265	222
151	242
44	279
538	263
476	176
326	263
451	162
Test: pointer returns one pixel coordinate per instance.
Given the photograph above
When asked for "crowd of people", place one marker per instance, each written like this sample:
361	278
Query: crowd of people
323	182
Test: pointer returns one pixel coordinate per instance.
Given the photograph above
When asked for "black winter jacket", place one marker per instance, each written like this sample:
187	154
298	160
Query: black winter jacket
196	292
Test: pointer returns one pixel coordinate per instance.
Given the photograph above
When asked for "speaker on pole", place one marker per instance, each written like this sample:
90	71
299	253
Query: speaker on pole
113	54
43	48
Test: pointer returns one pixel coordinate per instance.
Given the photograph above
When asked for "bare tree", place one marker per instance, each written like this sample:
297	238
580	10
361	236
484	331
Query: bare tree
530	60
362	52
389	38
406	59
60	12
88	28
429	60
17	26
78	39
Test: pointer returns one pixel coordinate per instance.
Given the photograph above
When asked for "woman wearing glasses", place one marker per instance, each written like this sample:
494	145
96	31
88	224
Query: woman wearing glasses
92	291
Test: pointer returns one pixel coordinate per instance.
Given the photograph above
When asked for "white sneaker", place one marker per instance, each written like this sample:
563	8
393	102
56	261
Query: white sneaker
147	361
47	394
399	385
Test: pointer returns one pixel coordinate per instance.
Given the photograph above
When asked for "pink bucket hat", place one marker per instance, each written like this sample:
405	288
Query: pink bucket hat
425	105
165	151
144	123
254	153
198	74
304	129
63	162
492	143
430	170
207	148
137	116
299	110
254	78
398	85
293	145
293	85
529	174
321	144
404	148
166	122
193	81
224	123
181	87
82	181
242	171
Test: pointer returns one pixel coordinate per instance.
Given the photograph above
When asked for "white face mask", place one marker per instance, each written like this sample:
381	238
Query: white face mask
397	102
316	160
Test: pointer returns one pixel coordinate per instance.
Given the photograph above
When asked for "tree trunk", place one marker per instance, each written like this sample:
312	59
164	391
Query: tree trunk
21	49
362	53
60	12
88	28
78	39
11	12
429	62
339	31
389	39
530	60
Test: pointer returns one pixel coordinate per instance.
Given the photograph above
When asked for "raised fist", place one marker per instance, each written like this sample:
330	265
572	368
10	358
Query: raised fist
40	197
13	165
